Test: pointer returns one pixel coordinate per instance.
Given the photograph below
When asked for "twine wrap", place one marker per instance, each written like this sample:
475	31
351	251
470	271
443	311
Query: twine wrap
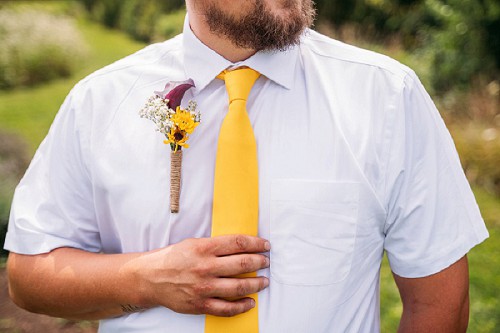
175	179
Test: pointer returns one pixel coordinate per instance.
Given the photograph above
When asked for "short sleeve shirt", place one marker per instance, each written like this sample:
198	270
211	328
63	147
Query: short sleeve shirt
354	160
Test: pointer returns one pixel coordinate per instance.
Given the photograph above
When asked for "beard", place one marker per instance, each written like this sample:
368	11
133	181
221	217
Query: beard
261	29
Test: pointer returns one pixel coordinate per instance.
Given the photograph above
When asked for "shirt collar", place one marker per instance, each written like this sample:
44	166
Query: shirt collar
203	64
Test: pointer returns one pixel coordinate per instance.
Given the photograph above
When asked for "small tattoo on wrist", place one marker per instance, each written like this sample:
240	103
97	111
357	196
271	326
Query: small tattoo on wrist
129	308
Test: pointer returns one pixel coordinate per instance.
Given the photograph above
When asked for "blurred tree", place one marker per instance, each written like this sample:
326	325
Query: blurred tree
337	12
139	18
379	18
460	36
466	43
107	12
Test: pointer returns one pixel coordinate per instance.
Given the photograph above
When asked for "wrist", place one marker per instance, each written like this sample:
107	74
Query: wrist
135	291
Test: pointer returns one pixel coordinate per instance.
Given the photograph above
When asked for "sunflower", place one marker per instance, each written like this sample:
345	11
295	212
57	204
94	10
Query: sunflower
184	120
177	138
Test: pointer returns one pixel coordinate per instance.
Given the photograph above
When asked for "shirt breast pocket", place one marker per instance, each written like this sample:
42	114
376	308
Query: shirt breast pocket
312	231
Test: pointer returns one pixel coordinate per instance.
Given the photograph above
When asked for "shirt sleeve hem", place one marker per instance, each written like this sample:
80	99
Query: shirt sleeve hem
436	265
33	244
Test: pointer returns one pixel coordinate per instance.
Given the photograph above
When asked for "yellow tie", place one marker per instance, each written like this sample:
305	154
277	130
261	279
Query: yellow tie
236	186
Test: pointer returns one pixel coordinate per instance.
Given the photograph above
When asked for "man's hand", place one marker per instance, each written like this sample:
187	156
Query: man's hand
436	303
195	275
189	277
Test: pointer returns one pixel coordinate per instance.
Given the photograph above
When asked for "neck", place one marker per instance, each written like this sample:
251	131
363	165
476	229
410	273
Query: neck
217	43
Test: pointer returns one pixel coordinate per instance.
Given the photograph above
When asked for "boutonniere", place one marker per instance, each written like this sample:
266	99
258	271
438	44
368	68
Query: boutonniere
164	109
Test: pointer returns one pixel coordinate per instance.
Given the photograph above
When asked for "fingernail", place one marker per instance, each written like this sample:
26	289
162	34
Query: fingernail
252	303
267	246
267	262
266	283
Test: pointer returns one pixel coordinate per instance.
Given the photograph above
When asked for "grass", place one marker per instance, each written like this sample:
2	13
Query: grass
484	262
30	112
390	303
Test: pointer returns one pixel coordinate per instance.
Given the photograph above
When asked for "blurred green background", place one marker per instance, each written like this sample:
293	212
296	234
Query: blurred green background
453	45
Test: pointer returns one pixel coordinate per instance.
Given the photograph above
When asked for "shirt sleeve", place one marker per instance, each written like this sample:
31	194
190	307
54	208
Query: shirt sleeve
53	203
433	219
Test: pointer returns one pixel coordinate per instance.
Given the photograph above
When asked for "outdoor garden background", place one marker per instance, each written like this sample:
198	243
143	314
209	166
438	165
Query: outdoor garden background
453	45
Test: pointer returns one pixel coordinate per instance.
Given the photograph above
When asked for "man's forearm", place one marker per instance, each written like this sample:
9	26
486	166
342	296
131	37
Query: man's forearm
74	284
433	320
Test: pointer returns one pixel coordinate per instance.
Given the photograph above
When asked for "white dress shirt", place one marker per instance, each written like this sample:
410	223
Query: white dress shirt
354	159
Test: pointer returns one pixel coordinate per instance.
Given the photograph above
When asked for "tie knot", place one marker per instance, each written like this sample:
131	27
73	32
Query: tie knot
239	82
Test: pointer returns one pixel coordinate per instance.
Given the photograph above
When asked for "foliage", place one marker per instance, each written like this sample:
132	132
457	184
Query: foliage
145	20
107	12
169	25
479	150
459	37
13	162
29	112
466	42
379	18
113	7
138	18
37	47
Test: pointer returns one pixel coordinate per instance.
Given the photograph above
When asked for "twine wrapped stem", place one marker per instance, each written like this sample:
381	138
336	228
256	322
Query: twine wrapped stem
175	179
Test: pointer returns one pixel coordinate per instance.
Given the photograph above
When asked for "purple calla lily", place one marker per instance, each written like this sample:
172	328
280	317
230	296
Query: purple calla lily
174	91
